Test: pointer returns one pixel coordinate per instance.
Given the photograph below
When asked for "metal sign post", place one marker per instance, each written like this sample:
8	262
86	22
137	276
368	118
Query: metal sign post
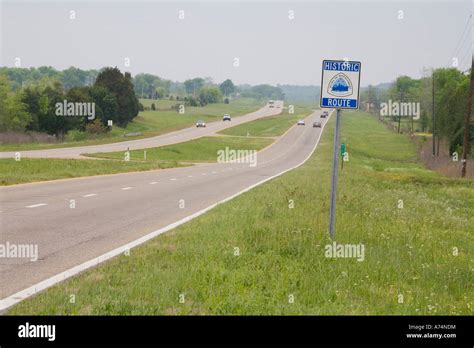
340	83
332	207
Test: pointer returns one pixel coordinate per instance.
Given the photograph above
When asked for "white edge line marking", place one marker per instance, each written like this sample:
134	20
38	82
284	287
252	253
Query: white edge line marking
32	290
36	205
126	188
90	195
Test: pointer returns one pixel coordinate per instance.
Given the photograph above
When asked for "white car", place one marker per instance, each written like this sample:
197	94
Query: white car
301	123
200	123
226	118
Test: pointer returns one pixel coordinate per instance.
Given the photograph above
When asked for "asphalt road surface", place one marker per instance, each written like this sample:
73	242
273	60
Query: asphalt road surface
113	210
160	140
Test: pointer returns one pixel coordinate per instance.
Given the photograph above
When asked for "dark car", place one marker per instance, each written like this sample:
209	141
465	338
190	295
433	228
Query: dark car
317	124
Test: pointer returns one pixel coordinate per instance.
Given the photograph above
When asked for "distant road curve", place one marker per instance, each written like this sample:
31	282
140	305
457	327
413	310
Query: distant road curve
160	140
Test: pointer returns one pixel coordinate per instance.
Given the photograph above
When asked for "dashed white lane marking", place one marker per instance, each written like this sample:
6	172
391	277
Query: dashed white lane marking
34	289
153	183
190	176
90	195
126	188
173	179
214	172
204	174
36	205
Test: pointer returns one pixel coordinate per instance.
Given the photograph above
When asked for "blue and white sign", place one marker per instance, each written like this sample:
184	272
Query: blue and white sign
340	84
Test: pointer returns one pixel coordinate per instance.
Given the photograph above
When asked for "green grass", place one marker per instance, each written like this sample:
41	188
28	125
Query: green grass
198	150
38	169
408	251
152	123
269	126
161	104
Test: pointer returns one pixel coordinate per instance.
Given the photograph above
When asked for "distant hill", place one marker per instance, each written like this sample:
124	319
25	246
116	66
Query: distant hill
380	86
300	93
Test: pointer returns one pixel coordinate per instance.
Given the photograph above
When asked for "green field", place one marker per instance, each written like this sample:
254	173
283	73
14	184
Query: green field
418	259
38	169
151	123
269	126
198	150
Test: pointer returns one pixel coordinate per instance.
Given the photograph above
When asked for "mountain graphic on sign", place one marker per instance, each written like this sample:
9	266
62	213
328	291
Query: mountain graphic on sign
340	86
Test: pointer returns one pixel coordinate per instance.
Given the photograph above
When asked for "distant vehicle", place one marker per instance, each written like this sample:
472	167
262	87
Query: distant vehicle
200	123
226	117
301	123
271	103
317	124
324	114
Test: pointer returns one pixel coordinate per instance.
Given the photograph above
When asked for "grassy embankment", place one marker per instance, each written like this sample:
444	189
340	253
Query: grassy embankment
418	259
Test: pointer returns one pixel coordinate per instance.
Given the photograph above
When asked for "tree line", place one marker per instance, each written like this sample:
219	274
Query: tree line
441	92
34	107
29	96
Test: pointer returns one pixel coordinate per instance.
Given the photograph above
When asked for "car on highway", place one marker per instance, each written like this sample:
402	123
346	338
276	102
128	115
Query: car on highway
271	103
317	124
200	123
301	123
324	114
226	117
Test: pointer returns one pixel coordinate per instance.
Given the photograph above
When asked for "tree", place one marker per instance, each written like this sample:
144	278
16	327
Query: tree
209	95
105	104
451	88
73	77
13	114
121	86
193	86
227	87
264	91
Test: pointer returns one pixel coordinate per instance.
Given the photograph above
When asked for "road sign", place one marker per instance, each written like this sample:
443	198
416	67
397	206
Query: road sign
340	84
343	149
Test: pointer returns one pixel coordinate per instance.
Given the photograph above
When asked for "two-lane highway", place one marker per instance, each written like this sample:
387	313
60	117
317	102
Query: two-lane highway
111	211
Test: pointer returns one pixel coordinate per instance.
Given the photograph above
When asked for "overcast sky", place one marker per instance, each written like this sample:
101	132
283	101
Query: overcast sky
390	38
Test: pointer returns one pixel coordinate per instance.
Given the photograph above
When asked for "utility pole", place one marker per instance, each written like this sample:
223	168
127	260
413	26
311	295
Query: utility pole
399	111
467	117
433	111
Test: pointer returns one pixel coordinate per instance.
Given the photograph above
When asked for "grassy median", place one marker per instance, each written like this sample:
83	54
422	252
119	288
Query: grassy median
271	126
257	255
197	150
39	169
